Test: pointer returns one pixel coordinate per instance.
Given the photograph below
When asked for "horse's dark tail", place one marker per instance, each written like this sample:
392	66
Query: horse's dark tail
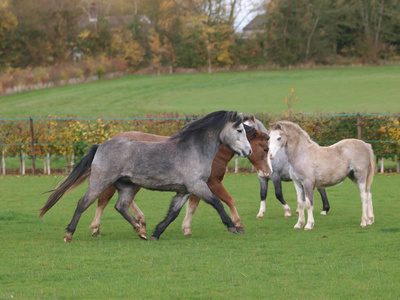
78	175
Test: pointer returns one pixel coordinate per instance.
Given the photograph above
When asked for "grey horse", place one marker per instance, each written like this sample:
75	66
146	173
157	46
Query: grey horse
181	164
280	172
313	166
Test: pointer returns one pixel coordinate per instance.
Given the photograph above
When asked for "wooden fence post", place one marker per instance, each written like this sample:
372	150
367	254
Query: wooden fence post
236	164
23	162
44	166
32	145
3	160
48	164
72	161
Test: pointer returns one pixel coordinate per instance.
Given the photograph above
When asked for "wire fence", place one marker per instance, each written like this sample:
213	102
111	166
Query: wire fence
25	140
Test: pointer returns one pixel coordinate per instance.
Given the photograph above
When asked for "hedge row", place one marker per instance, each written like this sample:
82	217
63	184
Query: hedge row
66	136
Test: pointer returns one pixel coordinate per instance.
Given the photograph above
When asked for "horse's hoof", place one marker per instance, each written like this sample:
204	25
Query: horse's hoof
143	236
232	229
187	232
154	238
96	233
308	227
324	212
68	238
240	229
298	226
287	216
259	216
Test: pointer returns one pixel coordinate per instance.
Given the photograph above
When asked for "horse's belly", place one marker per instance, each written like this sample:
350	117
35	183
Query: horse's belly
181	189
160	184
329	181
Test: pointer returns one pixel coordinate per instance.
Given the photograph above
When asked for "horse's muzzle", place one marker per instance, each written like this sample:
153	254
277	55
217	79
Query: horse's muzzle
264	174
245	154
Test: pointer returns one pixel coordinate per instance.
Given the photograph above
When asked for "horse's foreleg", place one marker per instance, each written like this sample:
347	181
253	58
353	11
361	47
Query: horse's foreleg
137	212
325	203
263	195
279	195
300	204
201	190
309	195
102	202
175	207
190	210
125	195
219	190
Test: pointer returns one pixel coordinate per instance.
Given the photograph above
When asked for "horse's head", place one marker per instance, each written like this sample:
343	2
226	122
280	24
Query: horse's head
233	135
259	156
277	139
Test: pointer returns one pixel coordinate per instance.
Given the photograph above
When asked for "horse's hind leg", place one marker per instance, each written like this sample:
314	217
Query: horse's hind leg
325	203
276	179
366	198
175	207
370	211
364	201
192	205
91	195
102	202
263	195
126	191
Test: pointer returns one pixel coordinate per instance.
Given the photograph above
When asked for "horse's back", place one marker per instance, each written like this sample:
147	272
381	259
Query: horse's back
141	136
353	149
334	163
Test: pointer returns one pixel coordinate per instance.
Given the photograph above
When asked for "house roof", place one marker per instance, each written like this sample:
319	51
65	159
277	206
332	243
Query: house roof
256	24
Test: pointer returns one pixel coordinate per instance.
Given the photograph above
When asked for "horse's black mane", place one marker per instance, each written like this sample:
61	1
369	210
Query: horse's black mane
198	128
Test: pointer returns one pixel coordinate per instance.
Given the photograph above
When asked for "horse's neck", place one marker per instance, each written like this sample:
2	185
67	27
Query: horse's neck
205	148
223	156
295	148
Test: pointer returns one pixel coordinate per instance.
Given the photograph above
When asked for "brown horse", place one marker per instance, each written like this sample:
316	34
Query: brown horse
258	158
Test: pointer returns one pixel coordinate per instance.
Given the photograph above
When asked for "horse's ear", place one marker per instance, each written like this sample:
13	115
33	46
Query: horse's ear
241	115
234	115
252	118
274	126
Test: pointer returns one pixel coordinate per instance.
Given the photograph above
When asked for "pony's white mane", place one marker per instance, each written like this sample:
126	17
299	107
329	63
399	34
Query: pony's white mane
293	130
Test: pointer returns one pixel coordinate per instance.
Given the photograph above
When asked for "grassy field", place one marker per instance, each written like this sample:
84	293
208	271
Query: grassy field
338	259
326	90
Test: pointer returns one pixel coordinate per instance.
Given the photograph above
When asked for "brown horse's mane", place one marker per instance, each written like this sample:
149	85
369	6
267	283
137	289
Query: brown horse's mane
291	129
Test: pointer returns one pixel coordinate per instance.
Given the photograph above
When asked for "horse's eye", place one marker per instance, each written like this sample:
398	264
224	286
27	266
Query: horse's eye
279	138
240	130
266	150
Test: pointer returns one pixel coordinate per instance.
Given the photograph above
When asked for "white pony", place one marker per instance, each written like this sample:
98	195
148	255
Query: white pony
313	166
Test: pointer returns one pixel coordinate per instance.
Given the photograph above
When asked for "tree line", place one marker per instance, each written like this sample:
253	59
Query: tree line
197	34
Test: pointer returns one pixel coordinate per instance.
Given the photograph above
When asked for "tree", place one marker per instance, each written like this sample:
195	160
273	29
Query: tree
156	49
8	25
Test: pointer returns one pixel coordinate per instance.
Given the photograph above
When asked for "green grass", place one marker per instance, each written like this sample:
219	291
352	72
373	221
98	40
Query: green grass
336	259
326	90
